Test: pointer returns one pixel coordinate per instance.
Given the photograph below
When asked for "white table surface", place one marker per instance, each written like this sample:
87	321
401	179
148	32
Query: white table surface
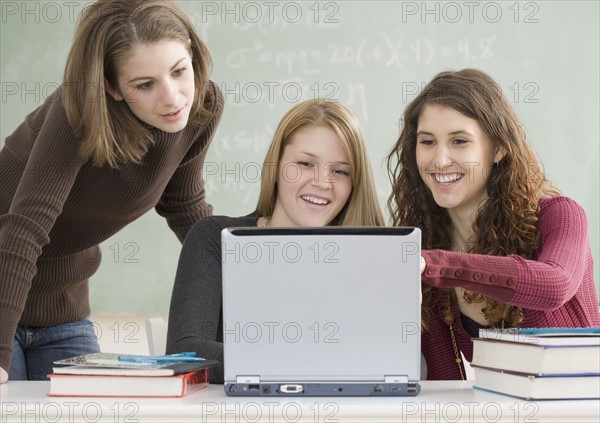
438	402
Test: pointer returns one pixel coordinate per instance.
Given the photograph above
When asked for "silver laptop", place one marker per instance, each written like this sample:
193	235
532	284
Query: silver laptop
330	311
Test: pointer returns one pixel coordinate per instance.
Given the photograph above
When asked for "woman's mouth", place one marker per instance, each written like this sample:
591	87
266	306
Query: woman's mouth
315	200
172	117
447	178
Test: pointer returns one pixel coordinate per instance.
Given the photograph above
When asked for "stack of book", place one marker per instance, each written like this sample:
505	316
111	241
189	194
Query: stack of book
538	364
114	375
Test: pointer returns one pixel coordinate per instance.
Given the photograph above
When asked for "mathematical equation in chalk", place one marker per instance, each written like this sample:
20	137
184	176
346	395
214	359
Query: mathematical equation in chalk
383	50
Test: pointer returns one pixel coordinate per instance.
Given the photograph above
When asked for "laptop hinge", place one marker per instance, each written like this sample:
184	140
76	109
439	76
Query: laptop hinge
396	379
248	379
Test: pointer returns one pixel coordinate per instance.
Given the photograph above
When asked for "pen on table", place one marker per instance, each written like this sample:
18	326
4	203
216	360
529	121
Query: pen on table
185	356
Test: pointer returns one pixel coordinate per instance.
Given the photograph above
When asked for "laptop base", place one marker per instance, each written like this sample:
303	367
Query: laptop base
321	389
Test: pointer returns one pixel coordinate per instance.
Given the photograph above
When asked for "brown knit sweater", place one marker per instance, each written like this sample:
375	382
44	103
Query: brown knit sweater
55	208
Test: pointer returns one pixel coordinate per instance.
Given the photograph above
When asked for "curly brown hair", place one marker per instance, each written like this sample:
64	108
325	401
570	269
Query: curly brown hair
506	222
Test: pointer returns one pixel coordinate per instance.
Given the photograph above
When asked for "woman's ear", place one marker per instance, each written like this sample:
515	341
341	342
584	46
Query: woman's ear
500	154
110	90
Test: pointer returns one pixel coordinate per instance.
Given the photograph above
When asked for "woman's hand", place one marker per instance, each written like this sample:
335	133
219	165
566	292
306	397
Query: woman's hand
3	375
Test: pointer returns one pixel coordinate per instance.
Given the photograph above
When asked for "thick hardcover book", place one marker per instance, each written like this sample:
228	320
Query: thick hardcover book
535	387
535	358
128	386
545	336
109	364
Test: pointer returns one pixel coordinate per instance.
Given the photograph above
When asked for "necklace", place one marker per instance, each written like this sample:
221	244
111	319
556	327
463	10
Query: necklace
456	352
266	221
449	318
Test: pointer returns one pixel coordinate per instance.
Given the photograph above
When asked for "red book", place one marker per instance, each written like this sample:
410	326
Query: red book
128	386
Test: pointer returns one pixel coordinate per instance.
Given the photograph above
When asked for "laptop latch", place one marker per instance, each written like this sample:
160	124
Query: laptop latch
396	379
248	379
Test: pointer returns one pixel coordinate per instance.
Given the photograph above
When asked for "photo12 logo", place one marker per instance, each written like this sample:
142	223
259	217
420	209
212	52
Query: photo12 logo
269	411
470	11
270	12
293	332
70	411
40	11
287	252
272	91
288	332
517	92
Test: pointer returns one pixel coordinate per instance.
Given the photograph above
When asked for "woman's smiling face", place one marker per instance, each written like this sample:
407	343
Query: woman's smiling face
455	157
314	181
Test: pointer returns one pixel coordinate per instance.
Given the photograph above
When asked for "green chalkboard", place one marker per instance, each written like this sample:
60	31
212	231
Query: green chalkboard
373	56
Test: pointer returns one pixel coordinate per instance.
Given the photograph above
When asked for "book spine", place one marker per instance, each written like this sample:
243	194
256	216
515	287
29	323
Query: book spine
194	381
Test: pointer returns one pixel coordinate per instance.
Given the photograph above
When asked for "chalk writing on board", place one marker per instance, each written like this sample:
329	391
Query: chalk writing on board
256	140
386	49
402	51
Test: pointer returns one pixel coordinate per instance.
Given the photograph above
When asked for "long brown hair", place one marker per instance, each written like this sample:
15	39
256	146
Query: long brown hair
362	207
507	222
106	33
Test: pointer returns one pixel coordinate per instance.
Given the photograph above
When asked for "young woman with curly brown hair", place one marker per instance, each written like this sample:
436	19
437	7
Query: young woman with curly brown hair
502	247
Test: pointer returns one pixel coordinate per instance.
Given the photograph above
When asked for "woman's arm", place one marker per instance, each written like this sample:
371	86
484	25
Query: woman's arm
40	163
545	283
195	312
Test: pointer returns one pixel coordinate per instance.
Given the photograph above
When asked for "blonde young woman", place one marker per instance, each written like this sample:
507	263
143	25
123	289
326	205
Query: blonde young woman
128	130
502	247
316	173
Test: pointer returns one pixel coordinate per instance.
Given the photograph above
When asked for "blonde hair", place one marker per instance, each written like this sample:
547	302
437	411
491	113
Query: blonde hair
107	32
362	207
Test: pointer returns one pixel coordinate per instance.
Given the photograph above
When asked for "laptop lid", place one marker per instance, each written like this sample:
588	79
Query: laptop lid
321	305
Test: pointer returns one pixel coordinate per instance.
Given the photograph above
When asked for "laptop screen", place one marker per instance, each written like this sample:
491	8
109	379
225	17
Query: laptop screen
321	304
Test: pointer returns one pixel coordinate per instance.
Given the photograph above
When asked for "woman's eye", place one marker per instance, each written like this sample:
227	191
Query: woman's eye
342	172
305	164
427	142
179	72
460	141
145	86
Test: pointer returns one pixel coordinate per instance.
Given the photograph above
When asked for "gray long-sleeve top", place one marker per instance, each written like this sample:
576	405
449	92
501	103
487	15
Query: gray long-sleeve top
195	315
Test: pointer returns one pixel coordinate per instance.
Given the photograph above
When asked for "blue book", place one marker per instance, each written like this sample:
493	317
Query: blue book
559	331
109	364
546	336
